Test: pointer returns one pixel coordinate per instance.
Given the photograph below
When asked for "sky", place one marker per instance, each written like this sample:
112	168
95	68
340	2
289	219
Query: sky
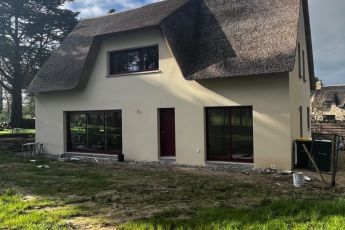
327	26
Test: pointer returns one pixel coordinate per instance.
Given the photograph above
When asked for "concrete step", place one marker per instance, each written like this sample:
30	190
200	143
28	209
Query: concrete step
91	157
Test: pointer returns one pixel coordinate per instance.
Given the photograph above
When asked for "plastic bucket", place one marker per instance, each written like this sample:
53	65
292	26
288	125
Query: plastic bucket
298	179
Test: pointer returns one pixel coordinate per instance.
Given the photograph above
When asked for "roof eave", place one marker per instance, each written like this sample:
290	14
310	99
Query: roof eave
309	44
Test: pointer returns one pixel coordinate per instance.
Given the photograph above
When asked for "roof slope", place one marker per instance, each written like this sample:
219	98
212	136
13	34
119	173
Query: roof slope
66	67
334	94
209	39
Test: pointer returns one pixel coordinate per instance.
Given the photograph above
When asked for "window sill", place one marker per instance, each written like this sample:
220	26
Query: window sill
209	162
135	73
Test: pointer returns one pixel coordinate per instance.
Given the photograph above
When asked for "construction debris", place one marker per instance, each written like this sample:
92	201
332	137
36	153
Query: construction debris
306	178
74	159
43	166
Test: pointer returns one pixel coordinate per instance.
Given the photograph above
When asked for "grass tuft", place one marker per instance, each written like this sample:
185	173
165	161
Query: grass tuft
279	214
18	212
134	196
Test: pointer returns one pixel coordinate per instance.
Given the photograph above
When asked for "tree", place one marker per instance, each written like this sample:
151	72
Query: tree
111	11
317	79
30	30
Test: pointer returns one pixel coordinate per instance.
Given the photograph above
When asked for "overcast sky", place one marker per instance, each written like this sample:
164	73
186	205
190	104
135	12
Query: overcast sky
327	25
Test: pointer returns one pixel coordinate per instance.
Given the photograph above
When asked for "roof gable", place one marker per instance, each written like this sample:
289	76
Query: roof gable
334	94
209	39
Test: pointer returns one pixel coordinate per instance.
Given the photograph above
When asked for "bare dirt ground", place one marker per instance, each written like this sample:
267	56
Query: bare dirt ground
111	194
192	187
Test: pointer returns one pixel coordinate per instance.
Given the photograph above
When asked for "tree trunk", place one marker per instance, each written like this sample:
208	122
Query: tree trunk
17	85
16	107
1	100
8	103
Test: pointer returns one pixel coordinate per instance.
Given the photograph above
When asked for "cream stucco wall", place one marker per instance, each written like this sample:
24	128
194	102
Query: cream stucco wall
139	97
300	89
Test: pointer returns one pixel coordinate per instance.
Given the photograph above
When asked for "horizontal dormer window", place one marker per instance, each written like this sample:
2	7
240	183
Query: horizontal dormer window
134	60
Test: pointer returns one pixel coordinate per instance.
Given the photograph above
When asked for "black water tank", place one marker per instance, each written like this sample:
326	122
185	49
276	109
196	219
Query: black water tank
302	160
322	151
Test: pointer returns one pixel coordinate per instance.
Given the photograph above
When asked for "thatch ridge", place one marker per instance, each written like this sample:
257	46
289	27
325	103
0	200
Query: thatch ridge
334	94
209	39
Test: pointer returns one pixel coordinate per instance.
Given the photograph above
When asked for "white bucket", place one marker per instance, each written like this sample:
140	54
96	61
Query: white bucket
298	179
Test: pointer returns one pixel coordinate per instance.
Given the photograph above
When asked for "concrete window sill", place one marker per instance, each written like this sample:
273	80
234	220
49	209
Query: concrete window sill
135	73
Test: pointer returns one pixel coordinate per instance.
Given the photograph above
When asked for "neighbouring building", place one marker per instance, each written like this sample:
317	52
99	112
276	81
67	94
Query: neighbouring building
328	103
196	81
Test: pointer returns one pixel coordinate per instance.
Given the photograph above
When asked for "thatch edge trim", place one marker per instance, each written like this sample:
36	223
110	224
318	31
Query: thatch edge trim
309	44
288	68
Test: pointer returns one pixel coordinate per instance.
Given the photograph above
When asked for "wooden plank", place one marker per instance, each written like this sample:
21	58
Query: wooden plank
315	165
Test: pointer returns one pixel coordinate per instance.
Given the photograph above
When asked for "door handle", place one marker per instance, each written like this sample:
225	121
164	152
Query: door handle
163	132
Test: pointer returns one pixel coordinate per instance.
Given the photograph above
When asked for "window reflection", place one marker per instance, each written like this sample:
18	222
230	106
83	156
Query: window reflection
96	132
230	133
134	60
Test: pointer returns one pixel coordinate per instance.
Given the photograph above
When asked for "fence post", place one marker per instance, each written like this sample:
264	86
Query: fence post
334	158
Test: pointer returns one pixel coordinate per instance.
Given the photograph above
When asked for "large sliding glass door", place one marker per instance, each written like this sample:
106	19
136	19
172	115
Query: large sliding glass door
113	132
94	132
77	132
229	134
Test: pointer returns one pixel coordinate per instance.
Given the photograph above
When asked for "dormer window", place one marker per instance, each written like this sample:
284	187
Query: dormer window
134	60
327	105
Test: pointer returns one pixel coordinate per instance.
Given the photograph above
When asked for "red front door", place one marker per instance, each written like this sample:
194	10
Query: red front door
167	132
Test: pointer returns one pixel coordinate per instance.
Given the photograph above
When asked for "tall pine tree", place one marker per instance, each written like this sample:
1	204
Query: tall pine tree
30	30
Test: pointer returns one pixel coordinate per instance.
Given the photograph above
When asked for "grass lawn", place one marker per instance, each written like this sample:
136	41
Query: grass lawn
139	196
21	131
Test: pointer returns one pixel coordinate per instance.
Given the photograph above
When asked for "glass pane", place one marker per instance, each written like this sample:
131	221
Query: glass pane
242	134
113	131
118	63
230	133
133	61
95	131
219	133
77	132
151	58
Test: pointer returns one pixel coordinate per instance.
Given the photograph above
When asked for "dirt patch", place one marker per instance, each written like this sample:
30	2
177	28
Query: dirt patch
157	189
111	194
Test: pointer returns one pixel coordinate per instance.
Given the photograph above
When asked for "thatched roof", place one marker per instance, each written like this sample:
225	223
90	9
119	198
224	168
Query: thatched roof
332	94
209	39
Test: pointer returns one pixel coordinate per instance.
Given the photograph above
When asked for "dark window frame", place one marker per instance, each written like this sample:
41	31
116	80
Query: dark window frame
303	65
86	112
299	61
308	118
231	159
142	51
301	121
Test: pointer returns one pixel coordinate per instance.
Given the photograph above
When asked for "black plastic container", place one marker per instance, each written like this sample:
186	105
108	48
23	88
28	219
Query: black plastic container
302	160
121	157
322	151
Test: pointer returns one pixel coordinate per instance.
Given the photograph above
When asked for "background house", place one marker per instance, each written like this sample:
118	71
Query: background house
328	103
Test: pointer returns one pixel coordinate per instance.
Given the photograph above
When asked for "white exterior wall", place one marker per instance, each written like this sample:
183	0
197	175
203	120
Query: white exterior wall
269	96
300	89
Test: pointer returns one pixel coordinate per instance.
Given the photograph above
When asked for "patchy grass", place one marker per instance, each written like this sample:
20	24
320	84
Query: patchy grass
284	214
21	131
138	196
19	212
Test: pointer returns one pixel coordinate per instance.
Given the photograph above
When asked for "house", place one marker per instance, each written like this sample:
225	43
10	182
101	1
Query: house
328	103
196	81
